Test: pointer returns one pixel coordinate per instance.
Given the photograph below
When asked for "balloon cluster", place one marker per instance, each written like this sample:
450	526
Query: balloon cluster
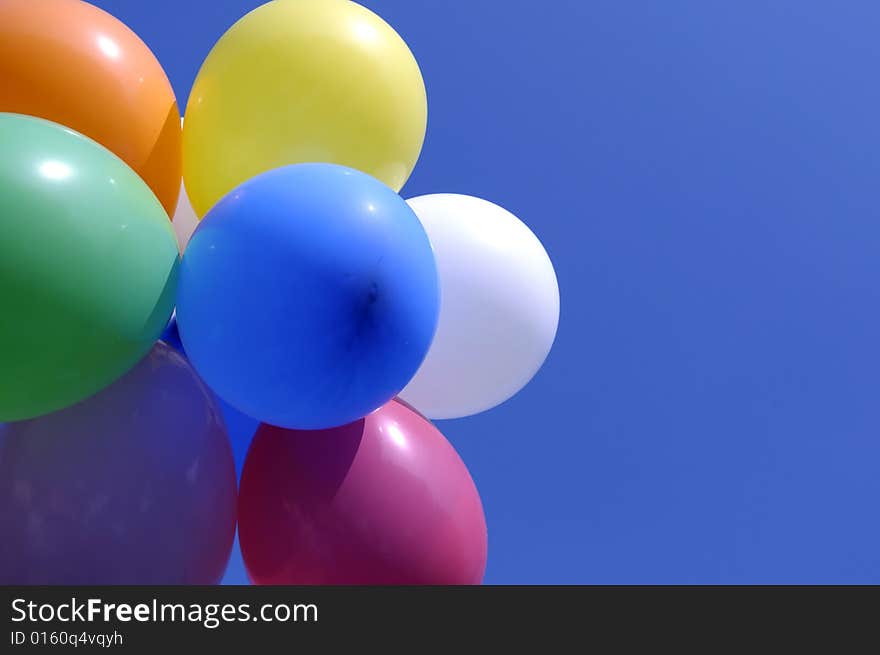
311	300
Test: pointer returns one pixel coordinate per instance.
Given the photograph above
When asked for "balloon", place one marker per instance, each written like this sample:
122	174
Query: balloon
499	307
135	485
88	267
304	81
384	500
185	220
74	64
308	297
241	428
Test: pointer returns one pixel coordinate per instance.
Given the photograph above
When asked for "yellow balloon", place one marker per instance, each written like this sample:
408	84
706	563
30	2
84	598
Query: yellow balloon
303	81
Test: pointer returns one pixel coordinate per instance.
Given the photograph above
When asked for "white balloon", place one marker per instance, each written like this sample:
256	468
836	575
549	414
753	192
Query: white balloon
499	307
185	220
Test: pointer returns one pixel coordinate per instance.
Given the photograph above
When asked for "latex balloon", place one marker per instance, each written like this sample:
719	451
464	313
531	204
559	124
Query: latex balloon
88	267
171	336
384	500
135	485
308	296
74	64
185	220
241	431
241	428
499	307
303	81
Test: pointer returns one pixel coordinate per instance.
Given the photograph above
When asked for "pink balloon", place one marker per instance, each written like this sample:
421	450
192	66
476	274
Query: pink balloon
384	500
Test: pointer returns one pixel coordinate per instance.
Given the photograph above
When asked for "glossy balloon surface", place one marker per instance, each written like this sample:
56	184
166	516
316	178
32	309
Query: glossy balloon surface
184	218
69	62
383	500
135	485
308	297
88	267
240	428
499	307
299	81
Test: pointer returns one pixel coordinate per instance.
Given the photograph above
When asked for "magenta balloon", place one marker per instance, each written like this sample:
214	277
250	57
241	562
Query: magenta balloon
135	485
384	500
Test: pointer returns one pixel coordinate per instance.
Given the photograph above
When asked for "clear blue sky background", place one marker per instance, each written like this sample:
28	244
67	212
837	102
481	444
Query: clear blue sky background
705	176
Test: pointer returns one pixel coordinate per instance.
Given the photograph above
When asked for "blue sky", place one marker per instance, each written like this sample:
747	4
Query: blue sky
704	176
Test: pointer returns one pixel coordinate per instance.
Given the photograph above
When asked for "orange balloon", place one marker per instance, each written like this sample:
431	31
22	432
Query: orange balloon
72	63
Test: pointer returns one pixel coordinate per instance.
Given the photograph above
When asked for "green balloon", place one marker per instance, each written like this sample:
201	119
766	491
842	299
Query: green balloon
88	267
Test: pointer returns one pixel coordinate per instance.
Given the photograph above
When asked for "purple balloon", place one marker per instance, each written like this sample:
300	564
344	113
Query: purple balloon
135	485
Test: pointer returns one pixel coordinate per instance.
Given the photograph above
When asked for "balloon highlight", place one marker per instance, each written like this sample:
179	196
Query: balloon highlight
298	82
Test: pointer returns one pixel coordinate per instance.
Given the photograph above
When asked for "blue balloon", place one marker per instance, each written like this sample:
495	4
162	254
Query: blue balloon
171	336
308	296
135	485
